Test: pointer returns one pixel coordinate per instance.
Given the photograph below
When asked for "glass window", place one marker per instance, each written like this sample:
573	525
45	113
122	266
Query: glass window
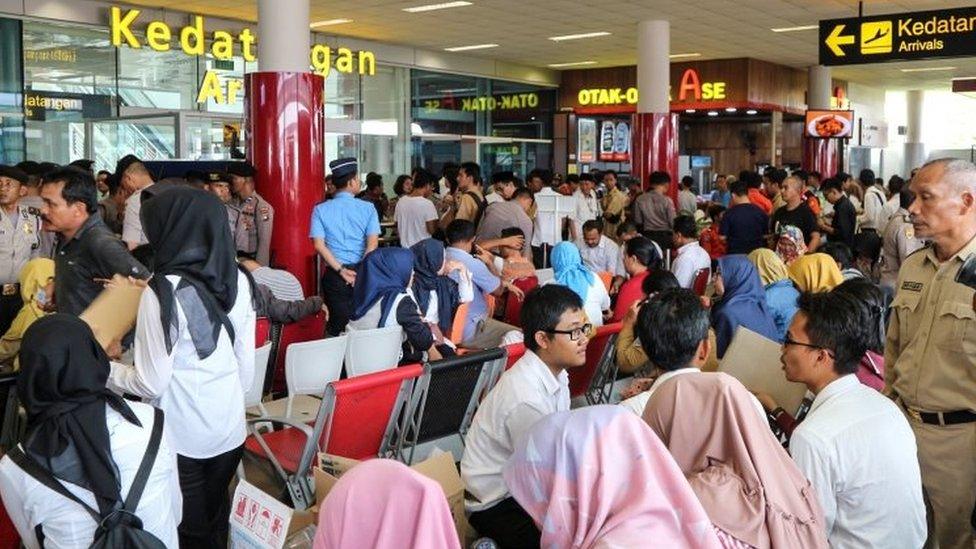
385	128
11	96
225	77
443	103
157	79
342	100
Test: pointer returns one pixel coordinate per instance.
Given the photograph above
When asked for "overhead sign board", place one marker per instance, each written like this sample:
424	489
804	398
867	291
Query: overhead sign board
898	37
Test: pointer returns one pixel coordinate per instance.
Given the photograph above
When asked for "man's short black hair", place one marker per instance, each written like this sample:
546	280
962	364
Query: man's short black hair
423	178
750	178
543	308
502	177
373	180
840	253
802	175
778	175
643	249
609	172
844	176
593	225
715	210
687	181
626	227
685	226
460	230
342	181
895	184
739	187
671	326
544	175
869	297
522	192
835	323
835	183
79	186
586	177
101	172
573	178
472	169
512	231
815	174
905	198
866	177
658	178
658	280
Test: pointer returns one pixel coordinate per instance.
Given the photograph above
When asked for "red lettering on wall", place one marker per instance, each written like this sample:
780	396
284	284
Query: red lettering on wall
689	82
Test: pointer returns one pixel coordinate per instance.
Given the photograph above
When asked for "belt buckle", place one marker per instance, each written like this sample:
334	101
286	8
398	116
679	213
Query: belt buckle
914	413
9	289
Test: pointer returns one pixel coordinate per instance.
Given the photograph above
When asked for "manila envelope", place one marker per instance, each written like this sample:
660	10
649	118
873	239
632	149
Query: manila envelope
754	361
113	313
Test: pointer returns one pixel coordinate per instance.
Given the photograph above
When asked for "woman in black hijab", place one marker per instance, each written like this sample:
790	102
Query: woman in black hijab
194	351
62	387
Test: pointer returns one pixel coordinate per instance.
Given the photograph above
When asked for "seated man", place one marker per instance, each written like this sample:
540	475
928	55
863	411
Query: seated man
511	262
855	445
283	284
600	253
536	386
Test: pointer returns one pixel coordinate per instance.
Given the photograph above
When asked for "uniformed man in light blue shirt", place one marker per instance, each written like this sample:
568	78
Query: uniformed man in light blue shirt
344	229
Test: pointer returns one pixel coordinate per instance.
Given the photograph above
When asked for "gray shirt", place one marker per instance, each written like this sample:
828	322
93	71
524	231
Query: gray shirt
502	215
653	212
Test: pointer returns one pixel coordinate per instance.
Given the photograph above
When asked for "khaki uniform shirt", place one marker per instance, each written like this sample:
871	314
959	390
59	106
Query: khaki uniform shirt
252	219
614	203
468	207
20	241
930	356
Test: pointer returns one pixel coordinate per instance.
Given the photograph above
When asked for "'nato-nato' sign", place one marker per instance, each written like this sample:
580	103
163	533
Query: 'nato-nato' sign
904	37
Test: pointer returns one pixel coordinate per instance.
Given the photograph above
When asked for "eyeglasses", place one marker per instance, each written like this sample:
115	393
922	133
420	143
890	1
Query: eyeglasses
790	341
575	334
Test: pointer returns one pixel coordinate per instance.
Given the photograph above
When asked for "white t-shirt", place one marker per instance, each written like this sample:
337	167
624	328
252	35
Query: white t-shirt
65	523
203	398
132	232
412	214
690	259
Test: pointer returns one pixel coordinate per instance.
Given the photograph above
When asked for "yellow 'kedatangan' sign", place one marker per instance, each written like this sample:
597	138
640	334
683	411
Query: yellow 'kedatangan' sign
193	40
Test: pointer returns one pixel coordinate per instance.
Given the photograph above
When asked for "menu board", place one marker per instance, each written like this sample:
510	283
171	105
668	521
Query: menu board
586	151
607	134
621	142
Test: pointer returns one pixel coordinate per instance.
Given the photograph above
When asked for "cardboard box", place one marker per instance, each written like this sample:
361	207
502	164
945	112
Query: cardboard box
259	521
113	313
439	468
755	361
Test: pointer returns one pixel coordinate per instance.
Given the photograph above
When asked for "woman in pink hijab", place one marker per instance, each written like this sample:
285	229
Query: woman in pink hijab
383	504
597	477
747	483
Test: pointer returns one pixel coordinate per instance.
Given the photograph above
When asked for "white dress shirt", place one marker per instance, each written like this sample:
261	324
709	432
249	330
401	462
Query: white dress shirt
604	257
858	450
525	394
587	208
494	197
203	398
875	202
131	222
638	402
689	259
67	524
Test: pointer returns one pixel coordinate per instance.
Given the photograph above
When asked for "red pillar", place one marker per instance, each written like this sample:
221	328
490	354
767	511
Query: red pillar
285	121
821	155
654	147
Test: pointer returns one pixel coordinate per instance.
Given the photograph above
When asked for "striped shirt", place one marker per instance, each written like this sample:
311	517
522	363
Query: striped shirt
284	285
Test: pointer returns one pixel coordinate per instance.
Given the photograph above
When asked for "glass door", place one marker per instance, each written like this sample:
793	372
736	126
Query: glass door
150	137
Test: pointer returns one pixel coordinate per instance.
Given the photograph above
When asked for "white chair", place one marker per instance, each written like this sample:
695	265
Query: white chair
373	350
544	275
309	367
254	394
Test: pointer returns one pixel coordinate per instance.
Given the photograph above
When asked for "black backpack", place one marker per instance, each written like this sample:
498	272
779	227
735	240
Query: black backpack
121	529
482	206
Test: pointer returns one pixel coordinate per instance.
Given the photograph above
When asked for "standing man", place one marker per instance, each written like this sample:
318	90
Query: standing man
587	205
875	200
930	355
415	214
722	195
344	230
841	227
503	184
87	252
255	219
20	241
654	210
687	200
469	203
898	242
614	204
744	224
132	174
796	212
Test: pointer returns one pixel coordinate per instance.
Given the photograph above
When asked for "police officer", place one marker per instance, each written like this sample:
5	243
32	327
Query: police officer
20	241
344	229
930	355
255	217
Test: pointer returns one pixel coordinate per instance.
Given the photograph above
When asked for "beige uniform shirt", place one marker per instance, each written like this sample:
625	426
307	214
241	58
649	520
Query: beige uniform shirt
930	356
252	227
20	241
468	207
614	204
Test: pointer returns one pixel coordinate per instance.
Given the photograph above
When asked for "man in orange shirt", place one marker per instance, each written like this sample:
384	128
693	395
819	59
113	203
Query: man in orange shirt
756	196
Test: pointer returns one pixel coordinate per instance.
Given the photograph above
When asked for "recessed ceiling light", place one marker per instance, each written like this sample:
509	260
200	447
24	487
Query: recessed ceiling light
684	55
474	47
329	22
730	109
794	29
928	69
690	111
432	7
712	113
573	64
578	36
751	111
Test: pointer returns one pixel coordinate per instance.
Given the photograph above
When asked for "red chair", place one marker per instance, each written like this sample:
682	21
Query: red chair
360	418
262	331
513	306
515	352
581	379
9	538
306	329
700	283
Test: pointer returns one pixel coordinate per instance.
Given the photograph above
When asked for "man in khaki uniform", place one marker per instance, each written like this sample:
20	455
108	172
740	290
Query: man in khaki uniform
931	350
20	241
255	219
469	201
614	204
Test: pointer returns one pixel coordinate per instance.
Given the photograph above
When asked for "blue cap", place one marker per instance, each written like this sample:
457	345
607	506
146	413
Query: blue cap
343	166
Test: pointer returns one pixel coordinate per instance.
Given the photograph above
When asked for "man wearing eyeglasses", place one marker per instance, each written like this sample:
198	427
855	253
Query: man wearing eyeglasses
556	336
854	445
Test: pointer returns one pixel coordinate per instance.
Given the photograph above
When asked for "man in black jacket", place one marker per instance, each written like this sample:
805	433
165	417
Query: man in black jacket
841	227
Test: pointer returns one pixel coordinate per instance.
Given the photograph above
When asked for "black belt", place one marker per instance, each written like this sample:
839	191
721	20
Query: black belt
941	418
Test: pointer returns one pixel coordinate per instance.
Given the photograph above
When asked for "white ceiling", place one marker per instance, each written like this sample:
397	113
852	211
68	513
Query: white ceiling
715	28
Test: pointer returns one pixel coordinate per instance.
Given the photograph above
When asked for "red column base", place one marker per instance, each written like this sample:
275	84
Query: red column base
285	121
654	147
821	155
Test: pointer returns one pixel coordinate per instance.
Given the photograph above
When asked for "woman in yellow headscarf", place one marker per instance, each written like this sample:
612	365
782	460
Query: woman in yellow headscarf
815	273
36	287
781	296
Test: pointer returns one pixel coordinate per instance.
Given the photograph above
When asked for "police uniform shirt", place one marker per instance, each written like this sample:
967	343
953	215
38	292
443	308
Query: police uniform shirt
252	226
20	241
344	223
930	354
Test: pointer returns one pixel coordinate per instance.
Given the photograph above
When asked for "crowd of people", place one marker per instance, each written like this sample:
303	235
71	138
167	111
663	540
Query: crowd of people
854	279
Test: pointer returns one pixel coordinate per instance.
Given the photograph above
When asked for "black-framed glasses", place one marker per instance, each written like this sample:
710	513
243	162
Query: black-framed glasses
787	341
575	334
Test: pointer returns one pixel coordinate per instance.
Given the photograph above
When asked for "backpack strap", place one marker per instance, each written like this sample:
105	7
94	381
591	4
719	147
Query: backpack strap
148	459
42	475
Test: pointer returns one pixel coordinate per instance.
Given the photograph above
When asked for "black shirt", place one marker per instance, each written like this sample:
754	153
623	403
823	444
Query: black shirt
744	227
843	223
94	252
802	218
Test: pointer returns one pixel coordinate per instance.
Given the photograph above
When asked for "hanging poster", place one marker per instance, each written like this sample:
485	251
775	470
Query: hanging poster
621	143
587	140
606	140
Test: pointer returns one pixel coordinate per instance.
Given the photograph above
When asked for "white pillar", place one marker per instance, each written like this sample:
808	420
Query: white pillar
283	35
914	147
653	66
818	87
